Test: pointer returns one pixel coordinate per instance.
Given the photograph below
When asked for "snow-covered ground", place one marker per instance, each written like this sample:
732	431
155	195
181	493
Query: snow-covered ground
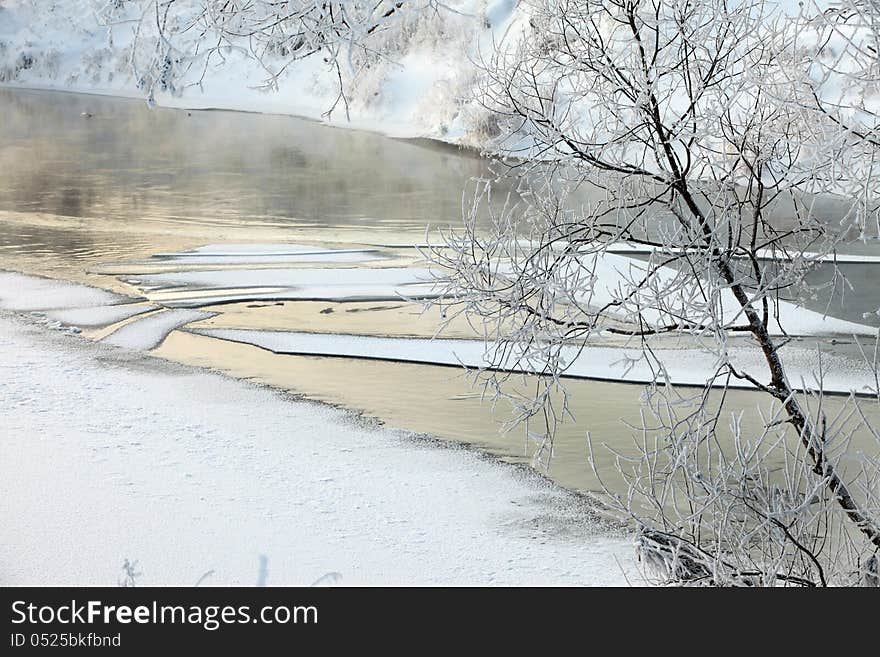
108	455
418	88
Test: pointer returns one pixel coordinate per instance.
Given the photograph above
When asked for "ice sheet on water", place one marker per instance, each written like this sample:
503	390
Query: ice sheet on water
615	275
101	315
690	366
201	288
149	332
623	248
237	254
25	293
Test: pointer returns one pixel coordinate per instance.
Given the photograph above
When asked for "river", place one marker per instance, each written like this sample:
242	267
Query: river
93	187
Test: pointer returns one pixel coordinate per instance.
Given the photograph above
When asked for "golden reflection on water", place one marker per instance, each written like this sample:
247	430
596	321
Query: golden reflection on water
95	251
78	196
171	168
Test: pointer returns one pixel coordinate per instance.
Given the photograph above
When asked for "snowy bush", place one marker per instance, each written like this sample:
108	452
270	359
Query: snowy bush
397	63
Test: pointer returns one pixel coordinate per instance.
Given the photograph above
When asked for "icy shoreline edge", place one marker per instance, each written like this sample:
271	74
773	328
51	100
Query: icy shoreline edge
111	454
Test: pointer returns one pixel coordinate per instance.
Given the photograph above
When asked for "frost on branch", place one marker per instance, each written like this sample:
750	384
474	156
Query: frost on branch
716	138
176	42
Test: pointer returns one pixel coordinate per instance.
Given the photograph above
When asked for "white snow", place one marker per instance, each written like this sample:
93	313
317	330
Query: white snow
99	315
415	89
688	366
149	332
20	292
420	82
189	472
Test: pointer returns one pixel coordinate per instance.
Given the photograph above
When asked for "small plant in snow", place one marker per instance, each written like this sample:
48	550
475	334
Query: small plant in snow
130	573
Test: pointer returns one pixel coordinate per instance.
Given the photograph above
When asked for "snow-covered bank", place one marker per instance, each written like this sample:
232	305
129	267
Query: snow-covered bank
108	455
416	88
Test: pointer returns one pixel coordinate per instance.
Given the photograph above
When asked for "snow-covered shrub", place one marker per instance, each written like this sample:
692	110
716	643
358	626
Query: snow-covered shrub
411	63
30	60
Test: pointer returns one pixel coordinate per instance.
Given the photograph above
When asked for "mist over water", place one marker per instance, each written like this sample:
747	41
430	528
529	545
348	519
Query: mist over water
127	163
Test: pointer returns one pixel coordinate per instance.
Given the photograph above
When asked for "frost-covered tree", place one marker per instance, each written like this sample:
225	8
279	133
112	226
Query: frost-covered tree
718	138
175	41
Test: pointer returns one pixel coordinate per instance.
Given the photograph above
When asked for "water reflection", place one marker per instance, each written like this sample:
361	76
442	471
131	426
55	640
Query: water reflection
131	164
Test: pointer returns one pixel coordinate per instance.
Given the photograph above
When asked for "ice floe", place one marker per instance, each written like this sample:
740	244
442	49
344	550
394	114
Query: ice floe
630	248
613	274
149	332
237	254
624	248
101	315
688	366
616	275
200	288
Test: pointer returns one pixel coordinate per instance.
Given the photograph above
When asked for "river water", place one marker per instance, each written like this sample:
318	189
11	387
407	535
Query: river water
91	186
